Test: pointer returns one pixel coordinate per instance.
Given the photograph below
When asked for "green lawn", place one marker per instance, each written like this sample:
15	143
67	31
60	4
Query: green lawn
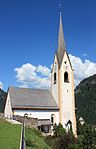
10	135
35	140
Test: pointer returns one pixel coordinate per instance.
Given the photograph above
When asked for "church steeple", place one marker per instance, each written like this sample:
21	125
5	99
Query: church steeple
62	84
61	42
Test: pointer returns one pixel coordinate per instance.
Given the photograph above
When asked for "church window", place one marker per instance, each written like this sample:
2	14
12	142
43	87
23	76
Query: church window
69	125
55	78
52	119
66	77
26	115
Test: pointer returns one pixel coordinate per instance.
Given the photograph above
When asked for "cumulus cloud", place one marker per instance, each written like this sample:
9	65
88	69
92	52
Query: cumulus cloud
1	85
33	76
39	76
43	70
26	72
82	69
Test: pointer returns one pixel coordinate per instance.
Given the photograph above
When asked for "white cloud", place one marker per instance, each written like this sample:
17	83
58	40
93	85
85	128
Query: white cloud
32	76
43	70
82	69
1	85
26	72
39	76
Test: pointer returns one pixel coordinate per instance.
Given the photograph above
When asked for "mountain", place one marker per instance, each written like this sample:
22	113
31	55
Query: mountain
2	100
85	94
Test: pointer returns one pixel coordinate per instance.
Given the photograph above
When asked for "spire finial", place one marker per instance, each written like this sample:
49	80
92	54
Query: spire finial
60	7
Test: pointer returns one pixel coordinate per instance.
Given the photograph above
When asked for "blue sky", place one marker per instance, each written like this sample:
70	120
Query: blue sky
29	34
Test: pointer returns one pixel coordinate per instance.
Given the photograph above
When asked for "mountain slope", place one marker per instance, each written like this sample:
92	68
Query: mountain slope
85	94
2	100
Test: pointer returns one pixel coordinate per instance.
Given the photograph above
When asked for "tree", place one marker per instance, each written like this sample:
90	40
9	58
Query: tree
66	140
86	136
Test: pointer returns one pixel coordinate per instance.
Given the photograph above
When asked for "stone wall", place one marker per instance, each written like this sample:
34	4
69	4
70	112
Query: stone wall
28	121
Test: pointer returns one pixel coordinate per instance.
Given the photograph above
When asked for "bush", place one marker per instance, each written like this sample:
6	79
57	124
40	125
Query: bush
59	130
66	140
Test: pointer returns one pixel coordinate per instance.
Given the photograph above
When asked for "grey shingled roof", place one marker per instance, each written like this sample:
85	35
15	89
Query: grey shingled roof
32	99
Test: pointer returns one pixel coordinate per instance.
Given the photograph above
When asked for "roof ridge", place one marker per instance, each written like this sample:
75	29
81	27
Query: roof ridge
16	87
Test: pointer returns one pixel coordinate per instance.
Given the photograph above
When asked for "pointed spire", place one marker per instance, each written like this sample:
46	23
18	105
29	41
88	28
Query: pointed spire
61	41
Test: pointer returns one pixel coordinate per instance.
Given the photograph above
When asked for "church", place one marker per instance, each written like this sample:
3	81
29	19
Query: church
56	105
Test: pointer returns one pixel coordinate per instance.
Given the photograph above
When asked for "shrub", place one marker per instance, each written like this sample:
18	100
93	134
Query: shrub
59	130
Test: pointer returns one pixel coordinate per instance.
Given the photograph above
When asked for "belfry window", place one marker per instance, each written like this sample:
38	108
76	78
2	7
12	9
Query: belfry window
66	77
55	78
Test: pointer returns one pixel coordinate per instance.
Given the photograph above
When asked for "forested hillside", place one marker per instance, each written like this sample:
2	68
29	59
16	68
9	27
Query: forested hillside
85	94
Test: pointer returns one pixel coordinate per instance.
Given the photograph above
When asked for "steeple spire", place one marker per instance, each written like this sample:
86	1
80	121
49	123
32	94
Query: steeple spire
61	42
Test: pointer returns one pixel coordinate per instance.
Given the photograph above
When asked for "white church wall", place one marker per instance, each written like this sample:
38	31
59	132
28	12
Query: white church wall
40	114
66	93
54	87
8	109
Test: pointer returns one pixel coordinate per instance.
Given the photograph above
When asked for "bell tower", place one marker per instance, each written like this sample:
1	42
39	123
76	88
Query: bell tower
62	83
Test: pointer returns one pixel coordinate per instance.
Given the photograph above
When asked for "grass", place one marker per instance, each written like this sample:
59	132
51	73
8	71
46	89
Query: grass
10	135
35	140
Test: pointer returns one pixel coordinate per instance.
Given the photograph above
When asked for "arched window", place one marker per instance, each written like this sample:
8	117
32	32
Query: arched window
55	78
66	77
52	119
69	125
26	115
